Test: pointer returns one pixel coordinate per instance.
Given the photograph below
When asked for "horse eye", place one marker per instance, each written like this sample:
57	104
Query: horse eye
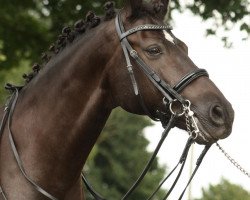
154	51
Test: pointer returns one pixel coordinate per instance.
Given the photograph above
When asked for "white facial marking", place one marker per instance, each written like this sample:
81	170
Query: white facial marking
168	36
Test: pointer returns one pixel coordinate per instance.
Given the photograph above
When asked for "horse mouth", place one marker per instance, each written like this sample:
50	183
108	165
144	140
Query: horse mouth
206	133
203	136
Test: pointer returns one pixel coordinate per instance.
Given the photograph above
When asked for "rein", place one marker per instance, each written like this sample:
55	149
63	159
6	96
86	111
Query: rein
181	162
170	96
7	119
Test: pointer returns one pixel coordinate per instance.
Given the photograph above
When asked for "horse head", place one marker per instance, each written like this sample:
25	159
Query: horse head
167	58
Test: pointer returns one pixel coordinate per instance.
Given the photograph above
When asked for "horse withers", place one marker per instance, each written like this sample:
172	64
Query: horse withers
61	111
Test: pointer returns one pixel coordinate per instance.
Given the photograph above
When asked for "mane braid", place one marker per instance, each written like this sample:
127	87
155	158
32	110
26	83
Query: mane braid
68	35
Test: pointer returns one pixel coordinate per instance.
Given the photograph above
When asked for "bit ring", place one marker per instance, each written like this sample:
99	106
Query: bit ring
194	135
177	113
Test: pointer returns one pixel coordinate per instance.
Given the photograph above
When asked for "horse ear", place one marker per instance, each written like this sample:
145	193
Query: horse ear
160	7
134	6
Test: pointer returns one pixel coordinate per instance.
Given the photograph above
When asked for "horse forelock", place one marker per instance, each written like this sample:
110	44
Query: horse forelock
156	9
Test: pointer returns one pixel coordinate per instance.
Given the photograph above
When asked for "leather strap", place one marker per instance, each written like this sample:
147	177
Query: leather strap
151	160
90	189
2	193
181	162
5	116
189	78
198	163
2	125
152	76
7	119
146	27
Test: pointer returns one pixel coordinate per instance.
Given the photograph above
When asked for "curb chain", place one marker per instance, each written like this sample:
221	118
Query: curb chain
235	163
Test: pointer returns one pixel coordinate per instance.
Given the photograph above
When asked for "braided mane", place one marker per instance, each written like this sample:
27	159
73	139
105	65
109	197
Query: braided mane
69	34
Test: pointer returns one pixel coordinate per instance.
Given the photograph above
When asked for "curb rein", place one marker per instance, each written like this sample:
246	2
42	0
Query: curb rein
171	96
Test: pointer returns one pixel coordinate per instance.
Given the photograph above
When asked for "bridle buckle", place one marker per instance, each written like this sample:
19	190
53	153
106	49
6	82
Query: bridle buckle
134	54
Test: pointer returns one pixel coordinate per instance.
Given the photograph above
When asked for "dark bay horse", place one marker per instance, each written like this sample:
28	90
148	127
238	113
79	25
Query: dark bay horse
60	113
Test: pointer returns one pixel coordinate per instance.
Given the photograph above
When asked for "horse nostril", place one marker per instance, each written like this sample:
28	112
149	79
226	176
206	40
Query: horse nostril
217	115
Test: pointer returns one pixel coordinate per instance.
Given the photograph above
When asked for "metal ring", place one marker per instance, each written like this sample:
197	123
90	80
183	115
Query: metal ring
188	103
164	101
194	135
178	114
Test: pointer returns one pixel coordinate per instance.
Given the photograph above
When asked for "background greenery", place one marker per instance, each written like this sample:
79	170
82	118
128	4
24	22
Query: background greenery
224	191
119	157
28	27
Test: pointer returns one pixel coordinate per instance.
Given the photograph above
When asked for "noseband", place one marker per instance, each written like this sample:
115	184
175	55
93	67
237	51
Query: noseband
170	96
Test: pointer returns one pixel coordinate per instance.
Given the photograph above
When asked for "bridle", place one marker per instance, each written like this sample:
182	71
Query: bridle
169	93
170	96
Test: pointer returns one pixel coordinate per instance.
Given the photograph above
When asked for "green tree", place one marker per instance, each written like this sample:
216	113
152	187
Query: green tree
223	14
119	157
28	27
225	191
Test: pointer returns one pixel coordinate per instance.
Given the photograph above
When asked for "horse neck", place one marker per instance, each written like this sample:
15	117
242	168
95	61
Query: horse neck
65	107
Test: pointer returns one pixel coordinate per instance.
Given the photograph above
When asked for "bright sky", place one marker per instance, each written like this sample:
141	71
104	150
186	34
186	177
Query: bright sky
230	70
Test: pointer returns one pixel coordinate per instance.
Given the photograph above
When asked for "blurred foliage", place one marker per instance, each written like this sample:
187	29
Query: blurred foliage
225	191
225	15
28	26
14	76
119	157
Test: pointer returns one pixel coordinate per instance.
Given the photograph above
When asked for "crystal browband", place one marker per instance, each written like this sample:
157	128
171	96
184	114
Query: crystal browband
145	27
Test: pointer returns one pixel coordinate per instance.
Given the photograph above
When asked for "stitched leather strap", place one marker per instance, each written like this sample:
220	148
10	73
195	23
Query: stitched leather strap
189	78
